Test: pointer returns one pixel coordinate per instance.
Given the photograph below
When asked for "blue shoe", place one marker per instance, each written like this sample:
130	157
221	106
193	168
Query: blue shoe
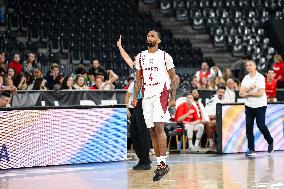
251	153
270	148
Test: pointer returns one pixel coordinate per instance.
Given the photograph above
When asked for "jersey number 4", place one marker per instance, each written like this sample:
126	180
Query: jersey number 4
150	77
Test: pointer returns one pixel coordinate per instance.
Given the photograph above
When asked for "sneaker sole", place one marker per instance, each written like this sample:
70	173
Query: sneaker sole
270	153
159	177
251	155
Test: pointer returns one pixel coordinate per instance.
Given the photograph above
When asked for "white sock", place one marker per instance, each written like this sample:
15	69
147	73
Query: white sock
158	160
197	142
210	141
164	159
190	143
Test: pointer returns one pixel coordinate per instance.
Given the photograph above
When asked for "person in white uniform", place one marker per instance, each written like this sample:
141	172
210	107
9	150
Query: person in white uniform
230	96
156	75
253	90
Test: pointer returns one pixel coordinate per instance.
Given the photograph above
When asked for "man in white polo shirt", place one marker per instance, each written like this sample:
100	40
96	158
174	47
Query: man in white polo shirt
253	89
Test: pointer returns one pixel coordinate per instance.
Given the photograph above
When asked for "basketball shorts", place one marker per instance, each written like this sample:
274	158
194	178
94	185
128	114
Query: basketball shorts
155	109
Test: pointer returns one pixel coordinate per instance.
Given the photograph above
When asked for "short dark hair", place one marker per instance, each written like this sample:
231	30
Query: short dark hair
158	33
270	69
221	87
93	59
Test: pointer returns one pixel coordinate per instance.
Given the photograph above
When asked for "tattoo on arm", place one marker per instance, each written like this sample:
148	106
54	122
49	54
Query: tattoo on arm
174	84
138	83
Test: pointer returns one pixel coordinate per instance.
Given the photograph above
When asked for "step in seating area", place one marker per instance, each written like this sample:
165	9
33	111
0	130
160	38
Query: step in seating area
237	25
79	30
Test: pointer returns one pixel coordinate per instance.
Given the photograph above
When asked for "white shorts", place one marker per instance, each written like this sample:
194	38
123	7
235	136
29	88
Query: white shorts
155	109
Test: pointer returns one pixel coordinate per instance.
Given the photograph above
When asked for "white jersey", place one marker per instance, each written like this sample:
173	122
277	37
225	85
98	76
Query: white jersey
259	81
155	68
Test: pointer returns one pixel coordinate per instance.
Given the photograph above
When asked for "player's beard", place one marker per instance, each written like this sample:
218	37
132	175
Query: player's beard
195	98
149	44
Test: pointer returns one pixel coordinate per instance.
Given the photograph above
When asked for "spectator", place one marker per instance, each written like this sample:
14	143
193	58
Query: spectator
7	89
270	86
11	73
210	108
194	83
230	95
100	84
30	64
58	82
6	86
80	83
204	84
214	83
16	78
38	73
204	72
205	118
96	68
2	60
26	82
16	64
67	83
214	72
189	115
130	79
227	74
278	68
51	75
239	67
40	84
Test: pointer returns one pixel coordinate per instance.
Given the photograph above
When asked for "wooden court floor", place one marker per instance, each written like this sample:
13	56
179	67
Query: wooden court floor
202	171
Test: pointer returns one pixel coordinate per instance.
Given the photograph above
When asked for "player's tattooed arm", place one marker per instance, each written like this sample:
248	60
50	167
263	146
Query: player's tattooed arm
137	87
172	74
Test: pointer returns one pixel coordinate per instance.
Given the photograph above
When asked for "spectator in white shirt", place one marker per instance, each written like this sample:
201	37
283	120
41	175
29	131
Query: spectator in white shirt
210	108
230	96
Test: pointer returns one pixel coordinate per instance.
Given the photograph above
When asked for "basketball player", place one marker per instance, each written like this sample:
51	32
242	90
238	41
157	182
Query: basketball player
253	89
156	75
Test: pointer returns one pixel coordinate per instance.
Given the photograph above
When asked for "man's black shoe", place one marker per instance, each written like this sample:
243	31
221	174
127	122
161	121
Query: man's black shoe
270	148
142	167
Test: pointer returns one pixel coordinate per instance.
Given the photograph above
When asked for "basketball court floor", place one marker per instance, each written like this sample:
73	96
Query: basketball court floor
202	171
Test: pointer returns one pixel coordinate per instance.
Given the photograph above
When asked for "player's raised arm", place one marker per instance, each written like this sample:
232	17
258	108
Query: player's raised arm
124	54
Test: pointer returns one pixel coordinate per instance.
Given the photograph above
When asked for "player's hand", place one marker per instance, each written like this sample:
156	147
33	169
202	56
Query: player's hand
118	43
134	102
172	103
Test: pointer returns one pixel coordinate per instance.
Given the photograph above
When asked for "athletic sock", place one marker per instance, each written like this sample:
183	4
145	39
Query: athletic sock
190	145
158	160
164	159
210	142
